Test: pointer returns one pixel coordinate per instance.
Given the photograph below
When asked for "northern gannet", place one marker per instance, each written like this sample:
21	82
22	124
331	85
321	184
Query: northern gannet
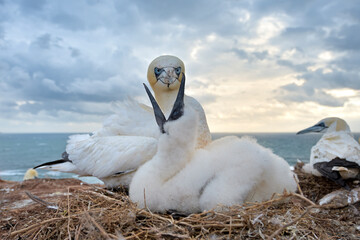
129	137
227	171
337	154
30	174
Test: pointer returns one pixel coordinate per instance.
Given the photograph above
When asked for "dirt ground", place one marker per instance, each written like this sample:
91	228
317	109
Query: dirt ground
71	209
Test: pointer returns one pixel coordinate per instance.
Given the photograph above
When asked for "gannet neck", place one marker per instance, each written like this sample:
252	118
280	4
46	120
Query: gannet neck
176	145
166	100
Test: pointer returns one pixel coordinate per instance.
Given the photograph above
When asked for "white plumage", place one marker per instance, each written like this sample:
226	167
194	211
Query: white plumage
111	158
128	138
227	171
336	143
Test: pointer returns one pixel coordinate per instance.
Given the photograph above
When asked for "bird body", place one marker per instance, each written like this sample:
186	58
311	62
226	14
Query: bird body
227	171
336	154
128	138
336	144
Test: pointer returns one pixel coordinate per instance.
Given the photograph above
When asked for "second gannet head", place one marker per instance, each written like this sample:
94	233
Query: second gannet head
31	174
330	124
165	73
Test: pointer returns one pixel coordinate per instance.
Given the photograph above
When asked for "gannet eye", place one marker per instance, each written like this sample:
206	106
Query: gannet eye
178	70
158	71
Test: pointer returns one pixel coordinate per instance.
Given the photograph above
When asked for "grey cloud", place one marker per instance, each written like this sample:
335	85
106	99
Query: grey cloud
57	108
296	67
32	76
296	32
7	104
68	21
57	72
294	93
31	6
261	55
74	52
202	17
350	62
315	85
334	79
2	33
347	38
250	56
45	41
242	54
8	109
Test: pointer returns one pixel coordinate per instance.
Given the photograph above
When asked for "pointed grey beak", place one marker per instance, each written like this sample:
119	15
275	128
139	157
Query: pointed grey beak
178	108
316	128
159	115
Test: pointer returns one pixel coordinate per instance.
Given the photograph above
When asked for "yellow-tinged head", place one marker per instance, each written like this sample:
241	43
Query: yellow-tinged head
165	73
330	124
31	174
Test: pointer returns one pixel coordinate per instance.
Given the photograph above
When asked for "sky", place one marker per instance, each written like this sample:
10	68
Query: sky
255	66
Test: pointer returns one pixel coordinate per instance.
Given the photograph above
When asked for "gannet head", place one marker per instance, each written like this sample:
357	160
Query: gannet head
330	124
31	174
165	73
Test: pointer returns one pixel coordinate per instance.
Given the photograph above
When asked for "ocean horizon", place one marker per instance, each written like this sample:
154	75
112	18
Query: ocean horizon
21	151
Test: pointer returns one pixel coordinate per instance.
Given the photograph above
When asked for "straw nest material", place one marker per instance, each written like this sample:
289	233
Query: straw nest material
91	212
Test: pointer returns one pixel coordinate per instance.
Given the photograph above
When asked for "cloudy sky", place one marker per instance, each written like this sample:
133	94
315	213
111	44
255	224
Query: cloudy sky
255	66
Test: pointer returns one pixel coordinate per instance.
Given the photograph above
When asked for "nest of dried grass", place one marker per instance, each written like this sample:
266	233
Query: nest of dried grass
95	213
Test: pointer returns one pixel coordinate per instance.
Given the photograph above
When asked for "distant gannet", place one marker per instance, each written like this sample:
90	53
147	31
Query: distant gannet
337	154
31	174
129	137
227	171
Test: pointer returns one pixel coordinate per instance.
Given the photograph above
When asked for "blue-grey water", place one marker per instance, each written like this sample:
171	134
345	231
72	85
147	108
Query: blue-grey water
18	152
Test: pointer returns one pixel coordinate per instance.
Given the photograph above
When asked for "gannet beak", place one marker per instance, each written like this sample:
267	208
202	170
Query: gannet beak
319	127
159	115
178	108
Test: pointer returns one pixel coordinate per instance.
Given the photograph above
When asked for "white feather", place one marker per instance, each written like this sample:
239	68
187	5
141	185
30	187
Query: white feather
104	156
131	118
227	171
336	144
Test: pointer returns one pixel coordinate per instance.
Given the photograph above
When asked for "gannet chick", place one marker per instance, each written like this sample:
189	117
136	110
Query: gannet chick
227	171
129	137
31	174
337	154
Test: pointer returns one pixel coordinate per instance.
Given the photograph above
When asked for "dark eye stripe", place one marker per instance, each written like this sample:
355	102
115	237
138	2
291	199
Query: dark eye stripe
321	124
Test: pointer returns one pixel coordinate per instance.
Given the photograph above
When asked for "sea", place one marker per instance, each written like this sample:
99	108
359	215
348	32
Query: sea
19	152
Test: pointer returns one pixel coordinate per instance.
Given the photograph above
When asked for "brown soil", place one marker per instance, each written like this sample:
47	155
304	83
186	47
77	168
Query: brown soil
91	212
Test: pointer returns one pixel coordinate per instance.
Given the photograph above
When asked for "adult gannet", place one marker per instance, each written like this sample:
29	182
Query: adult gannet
129	137
227	171
30	174
337	154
